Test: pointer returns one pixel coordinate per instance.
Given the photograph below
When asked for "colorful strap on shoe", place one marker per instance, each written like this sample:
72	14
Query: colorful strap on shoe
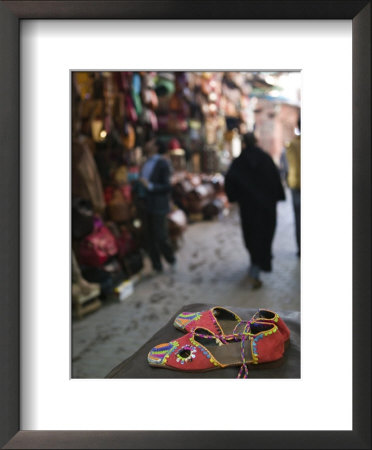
243	337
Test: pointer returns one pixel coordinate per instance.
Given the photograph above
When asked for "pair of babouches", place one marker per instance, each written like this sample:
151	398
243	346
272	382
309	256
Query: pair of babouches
219	338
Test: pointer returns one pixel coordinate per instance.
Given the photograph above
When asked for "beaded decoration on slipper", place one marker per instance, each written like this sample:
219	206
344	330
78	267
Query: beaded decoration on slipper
202	350
217	319
186	353
265	315
224	322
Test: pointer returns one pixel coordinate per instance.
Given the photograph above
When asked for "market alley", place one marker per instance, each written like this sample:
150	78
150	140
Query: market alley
212	268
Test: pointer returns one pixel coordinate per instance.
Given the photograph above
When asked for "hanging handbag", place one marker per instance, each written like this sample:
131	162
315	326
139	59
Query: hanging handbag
129	136
96	248
130	109
118	208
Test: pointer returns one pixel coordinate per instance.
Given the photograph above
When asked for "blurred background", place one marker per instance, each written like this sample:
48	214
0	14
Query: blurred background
118	302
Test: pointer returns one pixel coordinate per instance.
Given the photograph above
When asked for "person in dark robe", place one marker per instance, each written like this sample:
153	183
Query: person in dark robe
253	181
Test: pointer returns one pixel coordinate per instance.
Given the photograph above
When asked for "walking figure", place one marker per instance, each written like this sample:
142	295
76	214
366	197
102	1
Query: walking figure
253	181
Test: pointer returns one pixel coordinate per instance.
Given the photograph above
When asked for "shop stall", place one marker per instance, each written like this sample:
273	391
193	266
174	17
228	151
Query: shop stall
198	115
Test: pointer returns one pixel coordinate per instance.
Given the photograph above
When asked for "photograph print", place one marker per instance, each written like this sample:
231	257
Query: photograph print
185	224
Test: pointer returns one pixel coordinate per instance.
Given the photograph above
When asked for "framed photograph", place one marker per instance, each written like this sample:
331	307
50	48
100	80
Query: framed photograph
43	81
181	242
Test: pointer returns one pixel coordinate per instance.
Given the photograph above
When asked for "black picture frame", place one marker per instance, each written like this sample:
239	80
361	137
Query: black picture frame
11	12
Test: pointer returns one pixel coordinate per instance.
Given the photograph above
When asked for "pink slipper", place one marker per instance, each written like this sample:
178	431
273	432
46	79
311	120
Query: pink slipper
201	350
224	322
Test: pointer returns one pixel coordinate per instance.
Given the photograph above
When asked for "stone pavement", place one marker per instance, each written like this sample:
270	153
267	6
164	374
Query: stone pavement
212	268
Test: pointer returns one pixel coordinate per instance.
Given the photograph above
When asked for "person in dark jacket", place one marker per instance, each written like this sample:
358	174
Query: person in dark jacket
253	181
155	177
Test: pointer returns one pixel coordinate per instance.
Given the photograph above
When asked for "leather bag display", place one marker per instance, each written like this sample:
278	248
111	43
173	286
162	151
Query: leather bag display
177	223
85	179
96	248
212	209
199	197
82	218
119	209
124	239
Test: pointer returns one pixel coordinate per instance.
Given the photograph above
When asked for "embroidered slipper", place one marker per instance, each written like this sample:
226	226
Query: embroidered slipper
225	322
217	319
260	343
265	315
